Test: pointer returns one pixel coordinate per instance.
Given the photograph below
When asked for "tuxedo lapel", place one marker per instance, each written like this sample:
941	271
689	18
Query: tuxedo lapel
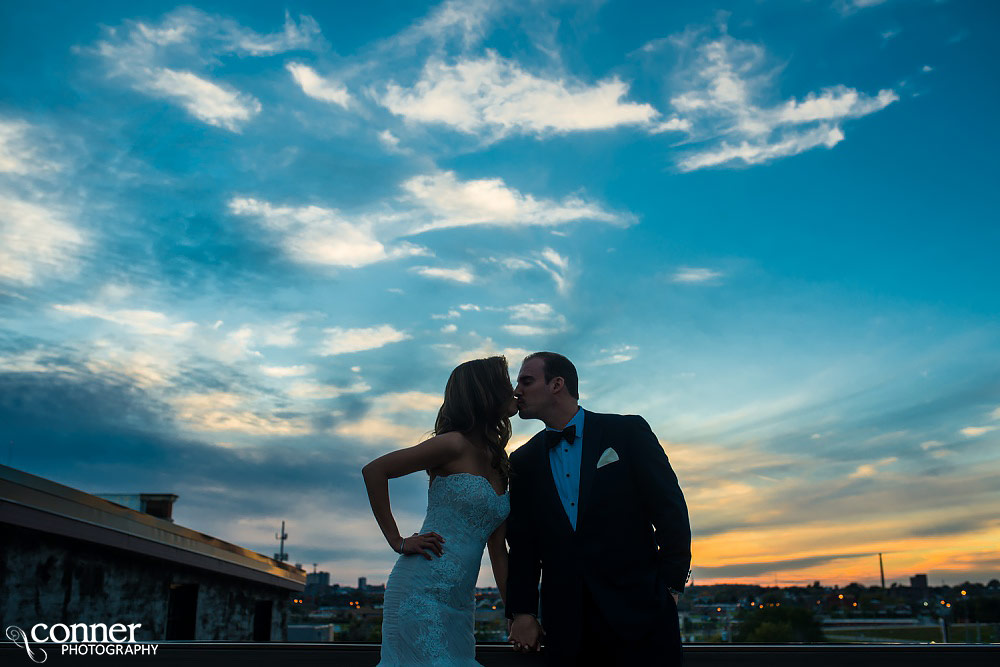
593	437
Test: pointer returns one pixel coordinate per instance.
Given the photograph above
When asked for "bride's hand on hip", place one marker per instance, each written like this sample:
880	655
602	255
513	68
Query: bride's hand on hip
422	544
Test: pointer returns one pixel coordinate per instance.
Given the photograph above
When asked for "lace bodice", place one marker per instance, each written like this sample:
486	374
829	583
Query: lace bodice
428	616
466	505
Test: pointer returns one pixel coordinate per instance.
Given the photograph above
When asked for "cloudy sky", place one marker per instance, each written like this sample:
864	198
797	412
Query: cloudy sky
242	248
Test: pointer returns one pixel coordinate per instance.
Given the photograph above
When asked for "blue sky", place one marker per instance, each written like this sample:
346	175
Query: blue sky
241	247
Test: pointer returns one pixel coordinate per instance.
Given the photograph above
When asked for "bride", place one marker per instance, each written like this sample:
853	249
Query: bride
429	611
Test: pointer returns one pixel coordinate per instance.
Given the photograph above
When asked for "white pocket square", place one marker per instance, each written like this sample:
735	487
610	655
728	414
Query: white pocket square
609	456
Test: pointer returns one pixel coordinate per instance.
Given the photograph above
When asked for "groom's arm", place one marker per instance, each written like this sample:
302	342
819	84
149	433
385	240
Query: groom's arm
658	487
524	563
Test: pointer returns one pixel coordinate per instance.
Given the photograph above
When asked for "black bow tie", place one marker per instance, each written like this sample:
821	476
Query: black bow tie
553	438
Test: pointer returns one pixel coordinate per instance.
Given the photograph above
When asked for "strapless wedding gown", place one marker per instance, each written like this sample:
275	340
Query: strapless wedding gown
429	613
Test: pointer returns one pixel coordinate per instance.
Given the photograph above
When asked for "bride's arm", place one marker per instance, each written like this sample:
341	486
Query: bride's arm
437	451
497	546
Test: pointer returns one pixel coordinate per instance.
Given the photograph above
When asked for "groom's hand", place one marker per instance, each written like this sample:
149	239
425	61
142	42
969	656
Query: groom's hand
525	633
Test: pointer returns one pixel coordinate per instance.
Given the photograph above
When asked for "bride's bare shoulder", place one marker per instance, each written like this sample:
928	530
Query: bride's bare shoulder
454	441
461	449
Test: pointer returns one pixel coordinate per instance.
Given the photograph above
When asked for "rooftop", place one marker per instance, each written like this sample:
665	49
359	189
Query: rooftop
43	505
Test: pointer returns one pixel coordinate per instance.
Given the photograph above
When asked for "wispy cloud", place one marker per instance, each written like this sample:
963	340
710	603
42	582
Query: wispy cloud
466	20
149	322
693	275
37	241
724	90
318	87
976	431
318	235
285	371
296	35
316	391
616	355
535	319
19	152
478	348
220	411
547	260
168	60
407	401
215	104
460	275
400	418
889	34
244	341
344	341
871	469
851	6
439	200
450	202
494	97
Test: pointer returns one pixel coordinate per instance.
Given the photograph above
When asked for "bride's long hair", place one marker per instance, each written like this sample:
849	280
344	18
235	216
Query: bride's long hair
476	399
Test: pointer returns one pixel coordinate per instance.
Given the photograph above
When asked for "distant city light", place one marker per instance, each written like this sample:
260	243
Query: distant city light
964	593
841	596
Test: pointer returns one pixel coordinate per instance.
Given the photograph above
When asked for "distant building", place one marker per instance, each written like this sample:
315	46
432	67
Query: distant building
919	581
72	557
362	584
317	583
312	633
318	579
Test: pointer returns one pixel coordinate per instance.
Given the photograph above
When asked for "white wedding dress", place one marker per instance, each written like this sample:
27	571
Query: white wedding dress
429	612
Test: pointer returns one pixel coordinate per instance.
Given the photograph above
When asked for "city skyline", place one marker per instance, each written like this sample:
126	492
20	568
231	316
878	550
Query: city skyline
241	248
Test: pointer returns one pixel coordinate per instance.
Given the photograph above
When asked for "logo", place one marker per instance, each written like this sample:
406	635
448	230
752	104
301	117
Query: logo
16	635
80	639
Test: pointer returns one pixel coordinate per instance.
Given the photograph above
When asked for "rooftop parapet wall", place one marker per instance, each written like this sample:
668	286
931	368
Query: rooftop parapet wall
43	505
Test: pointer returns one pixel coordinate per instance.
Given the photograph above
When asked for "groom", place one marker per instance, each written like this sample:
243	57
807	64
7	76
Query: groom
585	497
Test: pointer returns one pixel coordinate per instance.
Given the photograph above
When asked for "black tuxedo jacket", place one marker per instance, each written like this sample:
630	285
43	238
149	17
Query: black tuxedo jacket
615	553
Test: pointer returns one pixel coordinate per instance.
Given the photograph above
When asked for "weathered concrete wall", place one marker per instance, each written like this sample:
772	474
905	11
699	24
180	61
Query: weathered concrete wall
50	579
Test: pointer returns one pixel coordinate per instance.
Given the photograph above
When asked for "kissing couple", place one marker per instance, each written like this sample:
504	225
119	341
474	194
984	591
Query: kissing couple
590	505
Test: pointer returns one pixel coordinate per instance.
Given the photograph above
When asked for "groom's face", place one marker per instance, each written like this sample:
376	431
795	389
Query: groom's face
533	395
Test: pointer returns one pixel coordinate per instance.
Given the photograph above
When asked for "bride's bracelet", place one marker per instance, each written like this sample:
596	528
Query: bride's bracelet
401	543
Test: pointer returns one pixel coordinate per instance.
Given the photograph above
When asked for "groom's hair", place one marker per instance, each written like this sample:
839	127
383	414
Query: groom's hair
558	366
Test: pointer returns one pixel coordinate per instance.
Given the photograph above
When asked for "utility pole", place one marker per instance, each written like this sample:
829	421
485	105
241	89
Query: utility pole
281	556
881	570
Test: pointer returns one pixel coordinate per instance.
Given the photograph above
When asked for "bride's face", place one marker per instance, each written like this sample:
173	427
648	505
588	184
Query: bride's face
512	404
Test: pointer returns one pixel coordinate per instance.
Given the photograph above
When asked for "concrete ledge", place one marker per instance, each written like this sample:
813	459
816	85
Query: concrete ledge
212	654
